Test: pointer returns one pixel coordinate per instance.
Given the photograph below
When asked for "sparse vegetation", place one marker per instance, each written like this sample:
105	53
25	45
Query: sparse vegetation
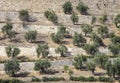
74	18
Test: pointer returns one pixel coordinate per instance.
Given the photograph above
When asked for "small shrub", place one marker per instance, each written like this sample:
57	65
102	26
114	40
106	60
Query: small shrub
47	79
82	8
105	79
23	15
103	19
91	79
50	15
35	79
67	7
74	18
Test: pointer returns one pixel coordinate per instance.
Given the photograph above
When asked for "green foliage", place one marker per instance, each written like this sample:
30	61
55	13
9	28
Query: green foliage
78	61
12	51
103	31
42	65
11	67
82	8
62	49
93	19
31	36
11	81
7	31
101	59
91	49
117	21
83	79
105	79
103	19
115	39
78	39
55	79
51	16
91	66
110	68
87	29
97	39
42	49
70	72
23	15
67	7
66	68
35	79
117	66
74	18
114	48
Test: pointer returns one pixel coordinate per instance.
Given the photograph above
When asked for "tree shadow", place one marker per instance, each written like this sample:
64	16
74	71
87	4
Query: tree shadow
99	74
23	58
51	72
39	42
22	74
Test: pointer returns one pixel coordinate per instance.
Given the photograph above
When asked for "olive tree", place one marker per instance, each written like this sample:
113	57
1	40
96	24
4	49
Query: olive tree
42	65
42	49
101	59
74	18
114	48
115	39
91	66
103	31
78	61
117	21
78	39
110	69
7	31
67	7
91	49
82	8
23	15
11	67
87	29
31	36
62	49
12	51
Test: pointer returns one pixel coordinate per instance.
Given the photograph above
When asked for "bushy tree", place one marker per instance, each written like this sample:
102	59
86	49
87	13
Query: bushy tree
117	21
51	16
91	49
103	19
7	31
103	31
115	39
101	59
78	61
23	15
78	39
42	65
82	8
12	51
74	18
67	7
11	67
97	39
31	36
57	38
91	66
87	29
43	50
62	49
115	48
110	68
